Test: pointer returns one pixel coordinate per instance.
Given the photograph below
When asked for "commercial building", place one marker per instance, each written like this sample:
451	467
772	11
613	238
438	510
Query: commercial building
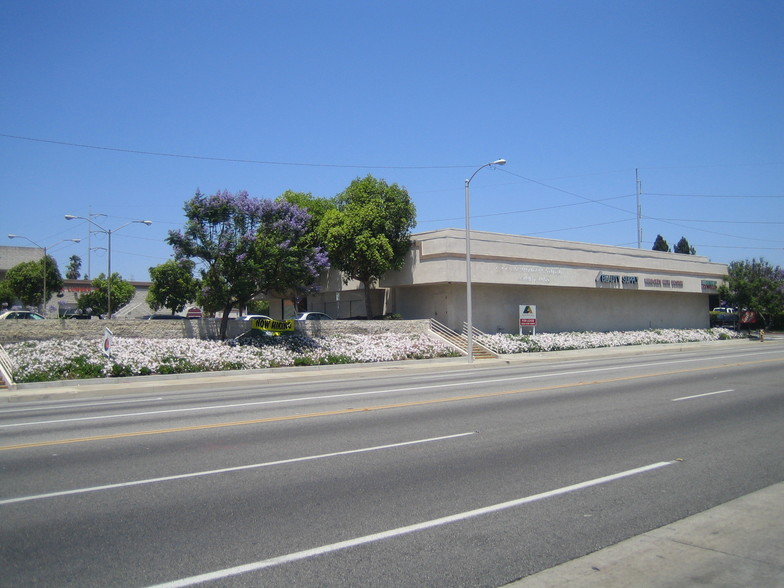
573	286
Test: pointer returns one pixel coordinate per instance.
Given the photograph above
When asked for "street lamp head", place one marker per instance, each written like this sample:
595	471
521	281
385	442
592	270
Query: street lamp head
11	236
146	222
499	162
75	240
70	217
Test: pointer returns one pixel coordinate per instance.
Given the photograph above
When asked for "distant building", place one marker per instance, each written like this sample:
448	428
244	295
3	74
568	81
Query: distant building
11	256
61	301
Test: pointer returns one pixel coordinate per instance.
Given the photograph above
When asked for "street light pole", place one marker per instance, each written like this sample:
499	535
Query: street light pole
108	252
469	314
89	243
45	259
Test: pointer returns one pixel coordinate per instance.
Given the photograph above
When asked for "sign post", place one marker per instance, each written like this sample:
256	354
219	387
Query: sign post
527	317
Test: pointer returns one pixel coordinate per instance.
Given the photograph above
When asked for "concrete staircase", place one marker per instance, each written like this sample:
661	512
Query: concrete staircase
460	342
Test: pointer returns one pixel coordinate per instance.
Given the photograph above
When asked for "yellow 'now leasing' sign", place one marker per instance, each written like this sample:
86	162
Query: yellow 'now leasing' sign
272	325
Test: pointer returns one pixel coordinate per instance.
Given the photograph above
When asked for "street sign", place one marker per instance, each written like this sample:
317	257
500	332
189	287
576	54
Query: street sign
108	339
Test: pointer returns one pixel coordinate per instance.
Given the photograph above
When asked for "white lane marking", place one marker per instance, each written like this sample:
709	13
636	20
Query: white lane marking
58	405
701	395
365	393
373	392
231	469
324	549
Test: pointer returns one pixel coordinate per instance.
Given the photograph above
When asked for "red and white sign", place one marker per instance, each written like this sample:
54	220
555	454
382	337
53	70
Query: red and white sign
748	317
527	315
193	313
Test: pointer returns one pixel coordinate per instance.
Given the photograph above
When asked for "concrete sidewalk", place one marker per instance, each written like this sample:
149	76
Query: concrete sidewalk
737	544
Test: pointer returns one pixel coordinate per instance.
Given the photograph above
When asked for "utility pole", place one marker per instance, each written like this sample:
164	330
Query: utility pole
639	208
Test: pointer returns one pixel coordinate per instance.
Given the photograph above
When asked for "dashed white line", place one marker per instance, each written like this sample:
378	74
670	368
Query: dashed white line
324	549
701	395
230	469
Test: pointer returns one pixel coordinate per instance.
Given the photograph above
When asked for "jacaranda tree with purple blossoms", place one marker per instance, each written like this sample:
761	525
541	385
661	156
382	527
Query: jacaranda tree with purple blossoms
248	246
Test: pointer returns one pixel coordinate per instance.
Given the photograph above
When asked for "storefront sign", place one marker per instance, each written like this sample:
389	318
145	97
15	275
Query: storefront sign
617	280
709	285
661	283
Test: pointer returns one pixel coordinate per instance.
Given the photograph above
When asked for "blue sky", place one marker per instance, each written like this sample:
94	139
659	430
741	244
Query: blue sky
127	108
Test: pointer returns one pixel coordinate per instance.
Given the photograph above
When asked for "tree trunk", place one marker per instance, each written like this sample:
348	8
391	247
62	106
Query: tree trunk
368	303
225	321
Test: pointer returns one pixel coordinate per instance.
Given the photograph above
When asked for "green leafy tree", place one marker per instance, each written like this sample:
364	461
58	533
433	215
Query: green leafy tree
683	246
96	302
660	244
7	296
74	266
249	246
173	285
368	233
26	281
258	307
755	285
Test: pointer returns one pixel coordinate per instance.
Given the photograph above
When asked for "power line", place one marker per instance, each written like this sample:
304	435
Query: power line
592	200
728	222
228	159
710	195
525	211
582	227
628	212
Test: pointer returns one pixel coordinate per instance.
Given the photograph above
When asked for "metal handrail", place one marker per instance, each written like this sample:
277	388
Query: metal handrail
477	334
6	368
451	337
457	340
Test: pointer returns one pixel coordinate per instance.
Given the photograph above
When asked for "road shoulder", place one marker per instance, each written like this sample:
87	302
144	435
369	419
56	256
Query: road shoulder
738	543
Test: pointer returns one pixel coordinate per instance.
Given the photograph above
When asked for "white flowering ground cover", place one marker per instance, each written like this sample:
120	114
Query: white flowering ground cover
41	361
503	343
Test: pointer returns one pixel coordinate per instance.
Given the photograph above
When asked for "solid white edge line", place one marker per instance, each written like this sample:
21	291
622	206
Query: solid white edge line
60	404
701	395
324	549
229	470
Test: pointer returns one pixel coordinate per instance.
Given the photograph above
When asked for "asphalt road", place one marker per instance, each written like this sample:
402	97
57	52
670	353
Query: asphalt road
436	476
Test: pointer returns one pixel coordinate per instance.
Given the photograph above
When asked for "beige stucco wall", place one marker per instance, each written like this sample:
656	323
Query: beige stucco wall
575	286
496	308
439	256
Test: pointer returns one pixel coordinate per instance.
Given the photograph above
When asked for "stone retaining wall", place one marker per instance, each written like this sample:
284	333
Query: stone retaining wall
13	331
